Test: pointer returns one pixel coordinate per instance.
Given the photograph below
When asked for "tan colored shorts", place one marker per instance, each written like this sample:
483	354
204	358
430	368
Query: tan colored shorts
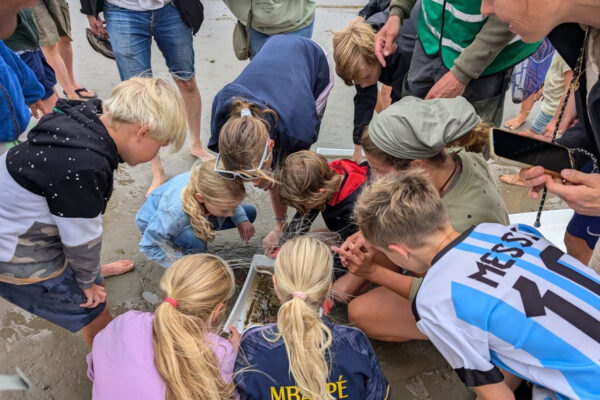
52	20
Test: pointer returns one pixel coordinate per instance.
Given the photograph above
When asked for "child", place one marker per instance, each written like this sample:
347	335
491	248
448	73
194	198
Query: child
311	185
179	217
494	296
272	109
302	355
356	64
57	186
174	353
19	89
25	42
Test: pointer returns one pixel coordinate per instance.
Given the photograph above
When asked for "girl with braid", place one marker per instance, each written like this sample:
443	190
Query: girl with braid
181	215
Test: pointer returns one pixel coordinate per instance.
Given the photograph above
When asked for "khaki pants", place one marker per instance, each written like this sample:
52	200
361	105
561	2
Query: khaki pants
52	20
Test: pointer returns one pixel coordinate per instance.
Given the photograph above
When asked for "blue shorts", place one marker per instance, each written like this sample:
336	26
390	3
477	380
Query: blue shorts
56	300
586	228
42	70
131	34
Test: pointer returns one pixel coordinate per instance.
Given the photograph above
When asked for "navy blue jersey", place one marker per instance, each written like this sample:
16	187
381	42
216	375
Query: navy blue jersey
504	297
354	371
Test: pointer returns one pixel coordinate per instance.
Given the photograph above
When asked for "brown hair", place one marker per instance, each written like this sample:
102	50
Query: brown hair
212	187
474	141
307	182
400	208
354	51
183	357
242	140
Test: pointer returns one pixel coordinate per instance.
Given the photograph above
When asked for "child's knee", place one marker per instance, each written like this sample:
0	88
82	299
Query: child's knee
357	312
250	211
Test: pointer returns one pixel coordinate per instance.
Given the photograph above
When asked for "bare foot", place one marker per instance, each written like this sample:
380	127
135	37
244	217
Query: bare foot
116	268
201	153
517	121
512	180
157	180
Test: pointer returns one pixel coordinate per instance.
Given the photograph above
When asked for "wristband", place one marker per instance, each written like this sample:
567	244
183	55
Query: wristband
284	219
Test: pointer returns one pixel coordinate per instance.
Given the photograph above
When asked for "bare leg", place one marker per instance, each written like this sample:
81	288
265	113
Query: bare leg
65	50
57	63
90	330
384	315
158	175
384	98
348	286
520	119
116	268
357	156
578	248
193	109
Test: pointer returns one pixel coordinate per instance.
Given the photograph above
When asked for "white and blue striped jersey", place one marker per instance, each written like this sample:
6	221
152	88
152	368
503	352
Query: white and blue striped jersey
504	297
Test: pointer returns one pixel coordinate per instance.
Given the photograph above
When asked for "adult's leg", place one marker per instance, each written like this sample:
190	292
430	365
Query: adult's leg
384	315
193	108
65	50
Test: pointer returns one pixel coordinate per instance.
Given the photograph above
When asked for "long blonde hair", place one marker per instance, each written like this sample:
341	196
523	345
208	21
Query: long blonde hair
304	267
198	283
214	189
242	140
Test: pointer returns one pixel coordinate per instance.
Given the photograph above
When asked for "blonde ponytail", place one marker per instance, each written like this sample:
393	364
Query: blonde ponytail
242	140
213	188
198	283
303	271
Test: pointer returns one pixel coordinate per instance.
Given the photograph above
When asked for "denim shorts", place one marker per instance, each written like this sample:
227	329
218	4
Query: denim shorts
131	34
56	300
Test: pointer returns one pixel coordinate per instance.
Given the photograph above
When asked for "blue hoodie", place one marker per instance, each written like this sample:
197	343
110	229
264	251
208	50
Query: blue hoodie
18	88
288	75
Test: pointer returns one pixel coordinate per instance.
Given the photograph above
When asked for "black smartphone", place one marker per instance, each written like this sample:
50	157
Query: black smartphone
523	151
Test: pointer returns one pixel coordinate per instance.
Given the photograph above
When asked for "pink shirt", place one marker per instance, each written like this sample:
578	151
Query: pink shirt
121	363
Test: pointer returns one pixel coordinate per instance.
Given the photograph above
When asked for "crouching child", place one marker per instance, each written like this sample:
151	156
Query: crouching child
55	187
501	303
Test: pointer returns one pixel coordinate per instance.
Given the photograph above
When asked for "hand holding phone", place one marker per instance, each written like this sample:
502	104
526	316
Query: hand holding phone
522	151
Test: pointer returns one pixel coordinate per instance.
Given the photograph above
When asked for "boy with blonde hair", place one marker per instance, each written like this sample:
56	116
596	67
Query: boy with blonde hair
494	296
55	187
356	64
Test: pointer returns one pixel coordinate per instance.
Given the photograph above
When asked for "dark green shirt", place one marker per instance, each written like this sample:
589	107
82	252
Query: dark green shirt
26	35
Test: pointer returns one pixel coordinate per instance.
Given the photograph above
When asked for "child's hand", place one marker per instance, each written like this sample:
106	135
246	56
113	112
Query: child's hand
246	230
234	338
95	296
271	241
357	239
359	260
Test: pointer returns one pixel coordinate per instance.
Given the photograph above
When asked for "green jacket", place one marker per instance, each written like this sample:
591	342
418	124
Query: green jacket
274	16
482	42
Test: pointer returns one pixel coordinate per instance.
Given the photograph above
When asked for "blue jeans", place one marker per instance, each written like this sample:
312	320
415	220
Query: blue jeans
257	39
541	120
192	244
131	34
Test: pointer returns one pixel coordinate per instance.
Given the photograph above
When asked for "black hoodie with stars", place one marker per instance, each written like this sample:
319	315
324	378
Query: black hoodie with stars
54	189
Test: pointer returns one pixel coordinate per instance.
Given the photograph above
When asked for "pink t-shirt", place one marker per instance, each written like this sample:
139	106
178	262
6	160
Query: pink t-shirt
121	363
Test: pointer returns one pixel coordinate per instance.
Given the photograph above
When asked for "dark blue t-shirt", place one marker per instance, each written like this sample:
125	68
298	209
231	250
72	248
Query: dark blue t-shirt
354	371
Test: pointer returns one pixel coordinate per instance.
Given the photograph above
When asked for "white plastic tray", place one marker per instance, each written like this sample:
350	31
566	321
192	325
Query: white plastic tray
238	312
554	224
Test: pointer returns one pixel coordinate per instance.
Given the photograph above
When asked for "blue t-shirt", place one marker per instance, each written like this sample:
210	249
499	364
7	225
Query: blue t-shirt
288	75
504	297
354	371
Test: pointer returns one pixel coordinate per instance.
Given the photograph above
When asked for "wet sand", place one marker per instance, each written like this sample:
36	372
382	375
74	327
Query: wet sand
54	359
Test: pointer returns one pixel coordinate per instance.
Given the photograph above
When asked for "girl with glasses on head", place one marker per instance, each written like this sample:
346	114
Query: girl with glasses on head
272	109
181	215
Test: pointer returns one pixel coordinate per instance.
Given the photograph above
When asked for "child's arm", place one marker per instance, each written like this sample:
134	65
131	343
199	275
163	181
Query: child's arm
495	391
359	262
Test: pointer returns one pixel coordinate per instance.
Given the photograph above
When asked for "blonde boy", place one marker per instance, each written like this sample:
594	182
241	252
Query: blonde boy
494	296
356	64
54	189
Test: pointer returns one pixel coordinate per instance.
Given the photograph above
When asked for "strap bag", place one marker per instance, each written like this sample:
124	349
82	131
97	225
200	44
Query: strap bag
191	12
241	37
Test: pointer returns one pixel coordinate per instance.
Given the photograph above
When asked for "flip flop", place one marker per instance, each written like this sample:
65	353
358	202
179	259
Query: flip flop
82	97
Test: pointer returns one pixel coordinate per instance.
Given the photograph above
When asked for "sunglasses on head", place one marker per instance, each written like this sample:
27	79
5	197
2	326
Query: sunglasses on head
247	175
